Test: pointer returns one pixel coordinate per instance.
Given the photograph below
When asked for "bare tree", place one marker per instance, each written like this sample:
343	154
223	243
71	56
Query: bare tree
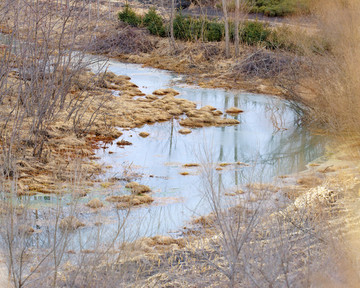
44	52
172	15
227	32
242	8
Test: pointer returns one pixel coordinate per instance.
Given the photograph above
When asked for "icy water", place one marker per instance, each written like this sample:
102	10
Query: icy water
269	140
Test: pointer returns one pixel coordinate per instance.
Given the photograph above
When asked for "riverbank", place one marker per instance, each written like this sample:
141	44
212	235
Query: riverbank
281	71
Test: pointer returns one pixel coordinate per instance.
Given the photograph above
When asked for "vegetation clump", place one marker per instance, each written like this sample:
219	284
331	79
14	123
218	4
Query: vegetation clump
154	23
70	223
128	40
137	188
185	131
254	32
192	29
95	203
127	201
123	142
129	16
144	134
280	8
234	110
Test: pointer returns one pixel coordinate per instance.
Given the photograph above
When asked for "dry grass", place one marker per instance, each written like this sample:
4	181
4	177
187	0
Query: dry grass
70	223
184	173
332	78
95	203
127	201
126	40
137	188
144	134
234	110
185	131
123	142
190	165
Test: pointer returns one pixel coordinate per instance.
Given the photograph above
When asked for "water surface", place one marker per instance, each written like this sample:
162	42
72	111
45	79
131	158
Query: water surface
270	140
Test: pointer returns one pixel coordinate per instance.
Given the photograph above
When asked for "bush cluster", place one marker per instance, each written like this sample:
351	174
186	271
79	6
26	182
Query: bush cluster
154	23
191	29
254	32
280	8
129	16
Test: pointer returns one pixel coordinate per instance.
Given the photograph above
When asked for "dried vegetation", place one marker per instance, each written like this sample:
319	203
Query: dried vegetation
124	40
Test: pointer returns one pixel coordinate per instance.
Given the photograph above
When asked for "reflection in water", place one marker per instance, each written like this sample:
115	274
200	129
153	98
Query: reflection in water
268	138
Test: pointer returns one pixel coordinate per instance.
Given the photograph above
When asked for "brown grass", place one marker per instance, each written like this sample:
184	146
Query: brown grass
127	201
234	110
70	223
123	142
95	203
332	78
309	181
144	134
189	165
185	131
184	173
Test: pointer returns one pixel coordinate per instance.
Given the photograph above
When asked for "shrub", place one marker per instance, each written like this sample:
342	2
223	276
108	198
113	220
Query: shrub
181	27
254	32
280	8
214	31
190	29
129	16
282	38
154	23
187	28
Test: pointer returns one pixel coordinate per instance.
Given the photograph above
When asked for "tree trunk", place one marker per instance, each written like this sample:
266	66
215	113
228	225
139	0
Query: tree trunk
172	38
227	34
237	20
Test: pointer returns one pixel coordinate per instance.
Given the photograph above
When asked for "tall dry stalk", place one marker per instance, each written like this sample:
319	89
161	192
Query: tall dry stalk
334	77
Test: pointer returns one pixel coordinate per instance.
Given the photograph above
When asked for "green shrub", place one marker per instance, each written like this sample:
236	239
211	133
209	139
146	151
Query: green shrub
280	8
129	16
187	28
191	29
214	31
181	27
154	23
254	32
